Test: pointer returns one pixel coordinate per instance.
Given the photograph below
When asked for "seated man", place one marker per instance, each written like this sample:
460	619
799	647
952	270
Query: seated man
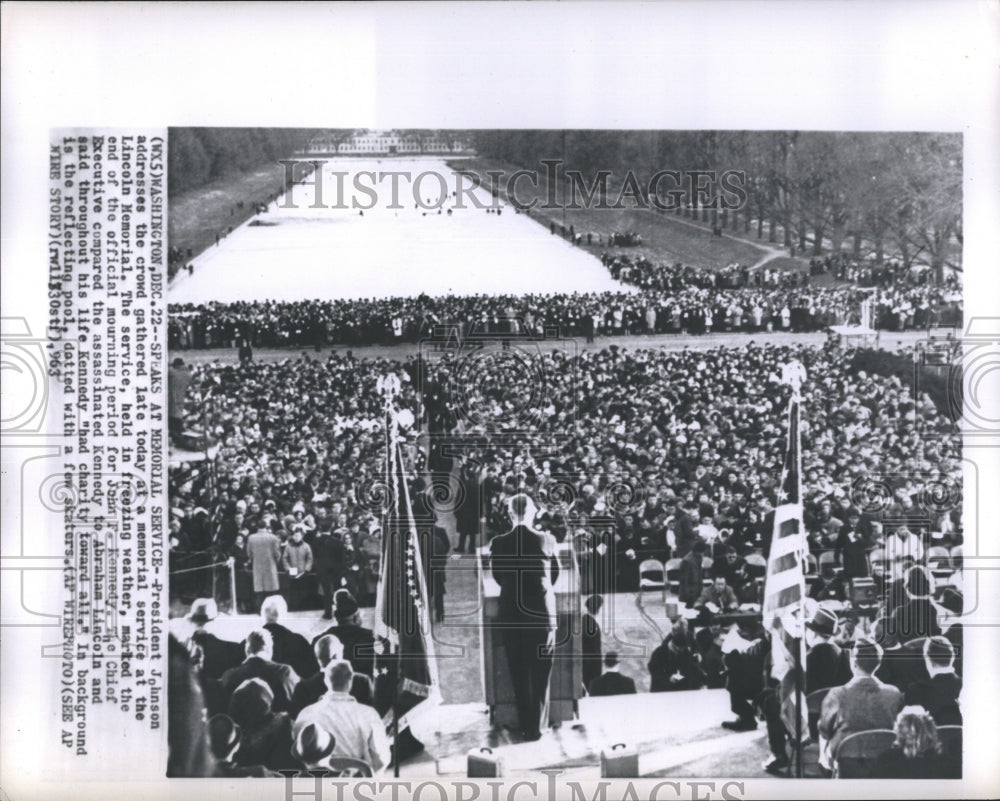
312	749
225	737
259	664
309	690
611	682
357	729
674	666
716	599
830	586
290	648
733	568
939	693
864	703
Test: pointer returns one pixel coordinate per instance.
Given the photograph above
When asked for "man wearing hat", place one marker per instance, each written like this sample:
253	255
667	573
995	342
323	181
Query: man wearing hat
224	738
312	747
358	641
213	655
826	662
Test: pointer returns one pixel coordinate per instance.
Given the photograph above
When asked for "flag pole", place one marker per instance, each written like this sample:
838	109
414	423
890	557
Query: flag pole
796	383
388	385
395	717
798	707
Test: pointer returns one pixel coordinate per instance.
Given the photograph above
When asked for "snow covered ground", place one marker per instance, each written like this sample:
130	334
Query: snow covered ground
331	252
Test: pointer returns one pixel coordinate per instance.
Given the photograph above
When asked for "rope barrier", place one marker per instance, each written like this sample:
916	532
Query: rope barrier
199	567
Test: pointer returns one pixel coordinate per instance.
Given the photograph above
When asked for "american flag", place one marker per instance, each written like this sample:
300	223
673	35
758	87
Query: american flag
402	616
785	586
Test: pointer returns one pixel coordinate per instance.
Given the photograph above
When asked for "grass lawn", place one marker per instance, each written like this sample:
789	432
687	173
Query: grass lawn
195	217
666	239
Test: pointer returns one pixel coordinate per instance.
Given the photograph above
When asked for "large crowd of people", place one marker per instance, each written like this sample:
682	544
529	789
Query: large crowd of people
632	455
692	309
646	274
670	446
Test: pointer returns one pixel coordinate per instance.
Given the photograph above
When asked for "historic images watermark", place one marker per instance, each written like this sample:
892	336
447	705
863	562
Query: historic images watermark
298	788
664	190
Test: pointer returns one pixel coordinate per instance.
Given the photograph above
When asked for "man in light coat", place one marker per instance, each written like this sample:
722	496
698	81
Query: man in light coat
264	550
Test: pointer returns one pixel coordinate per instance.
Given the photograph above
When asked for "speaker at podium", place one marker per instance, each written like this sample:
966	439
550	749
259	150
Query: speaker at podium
566	678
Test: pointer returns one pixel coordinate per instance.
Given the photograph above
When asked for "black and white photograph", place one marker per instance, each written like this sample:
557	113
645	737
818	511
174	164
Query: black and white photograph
499	401
557	438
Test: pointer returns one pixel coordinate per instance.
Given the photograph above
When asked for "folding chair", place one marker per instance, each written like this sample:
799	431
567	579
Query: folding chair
659	582
858	753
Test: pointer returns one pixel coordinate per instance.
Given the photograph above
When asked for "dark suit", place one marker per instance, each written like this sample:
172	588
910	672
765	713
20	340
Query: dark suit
292	649
524	563
832	589
470	509
689	580
359	645
665	662
218	655
826	666
915	618
590	640
434	548
939	696
901	667
280	678
330	564
612	683
852	547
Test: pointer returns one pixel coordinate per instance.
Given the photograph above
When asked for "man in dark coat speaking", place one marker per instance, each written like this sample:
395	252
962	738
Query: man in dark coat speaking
524	563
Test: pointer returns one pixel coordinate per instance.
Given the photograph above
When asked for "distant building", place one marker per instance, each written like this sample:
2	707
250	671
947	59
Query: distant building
386	143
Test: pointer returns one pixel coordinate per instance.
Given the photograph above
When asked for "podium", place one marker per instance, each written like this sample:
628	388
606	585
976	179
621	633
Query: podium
566	679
